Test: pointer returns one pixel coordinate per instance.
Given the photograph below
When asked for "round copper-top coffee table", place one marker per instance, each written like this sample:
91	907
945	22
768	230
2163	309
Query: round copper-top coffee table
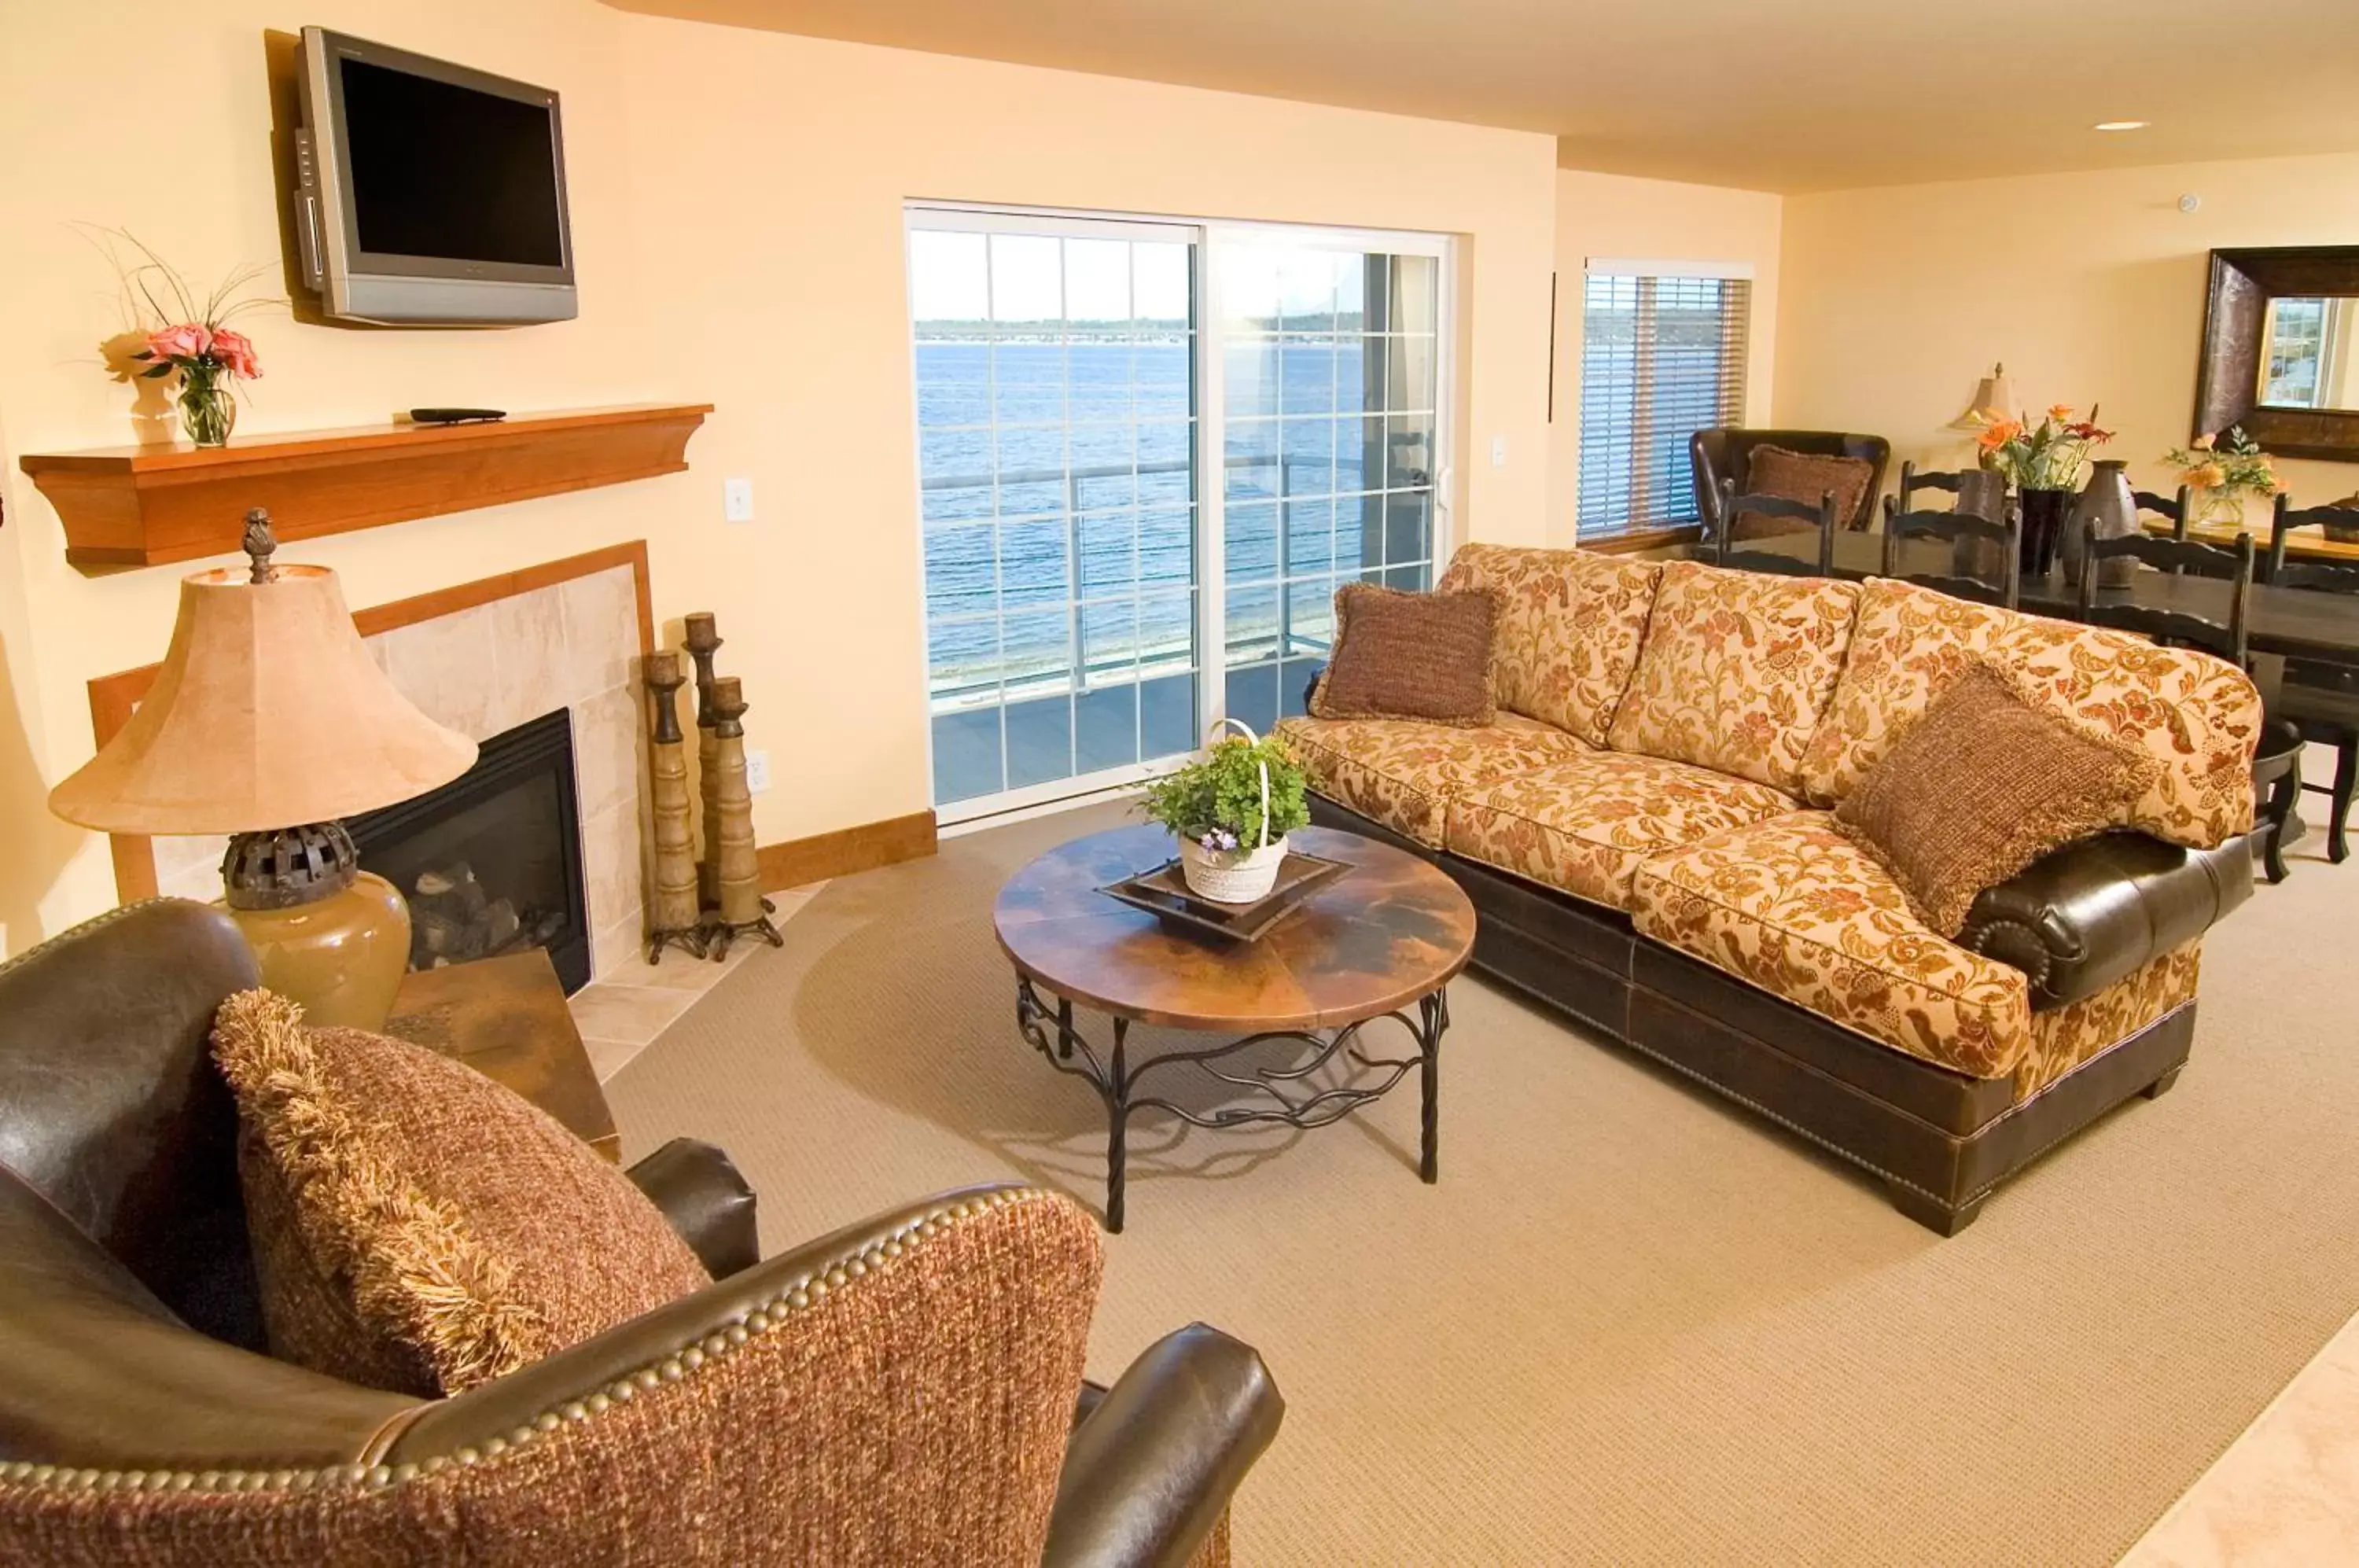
1383	940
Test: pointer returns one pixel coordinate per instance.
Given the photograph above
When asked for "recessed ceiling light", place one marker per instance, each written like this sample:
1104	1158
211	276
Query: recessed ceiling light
2120	125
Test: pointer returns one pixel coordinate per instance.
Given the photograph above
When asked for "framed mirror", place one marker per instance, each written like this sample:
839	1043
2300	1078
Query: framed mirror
2281	350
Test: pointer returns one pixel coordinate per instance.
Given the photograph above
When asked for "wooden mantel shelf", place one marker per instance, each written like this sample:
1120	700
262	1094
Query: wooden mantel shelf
139	506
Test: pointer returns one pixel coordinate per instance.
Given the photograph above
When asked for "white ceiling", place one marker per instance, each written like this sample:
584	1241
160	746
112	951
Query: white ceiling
1771	94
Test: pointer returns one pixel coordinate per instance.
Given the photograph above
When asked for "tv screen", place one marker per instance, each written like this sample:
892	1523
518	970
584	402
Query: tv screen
431	193
443	170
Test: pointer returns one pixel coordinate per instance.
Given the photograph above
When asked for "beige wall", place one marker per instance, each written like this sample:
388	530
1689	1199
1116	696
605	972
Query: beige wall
1610	216
736	202
2090	286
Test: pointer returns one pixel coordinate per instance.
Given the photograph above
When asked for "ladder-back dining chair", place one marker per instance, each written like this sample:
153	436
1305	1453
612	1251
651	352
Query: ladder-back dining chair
1967	535
1729	552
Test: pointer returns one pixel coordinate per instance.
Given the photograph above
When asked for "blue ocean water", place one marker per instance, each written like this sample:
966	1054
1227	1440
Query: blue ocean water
1050	465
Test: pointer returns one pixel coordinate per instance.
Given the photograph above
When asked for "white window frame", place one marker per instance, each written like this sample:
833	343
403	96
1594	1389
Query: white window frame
1204	236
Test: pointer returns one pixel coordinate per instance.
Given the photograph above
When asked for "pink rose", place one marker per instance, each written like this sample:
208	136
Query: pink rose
235	351
184	342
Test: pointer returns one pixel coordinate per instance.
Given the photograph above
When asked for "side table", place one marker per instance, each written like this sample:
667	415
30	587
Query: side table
507	1017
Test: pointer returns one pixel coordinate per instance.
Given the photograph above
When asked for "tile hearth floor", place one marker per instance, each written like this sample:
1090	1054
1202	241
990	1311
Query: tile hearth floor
621	1013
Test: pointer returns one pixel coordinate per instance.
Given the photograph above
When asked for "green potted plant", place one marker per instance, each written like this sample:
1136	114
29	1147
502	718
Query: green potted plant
1231	812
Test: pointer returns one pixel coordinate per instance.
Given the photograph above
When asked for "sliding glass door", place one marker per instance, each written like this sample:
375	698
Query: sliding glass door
1102	494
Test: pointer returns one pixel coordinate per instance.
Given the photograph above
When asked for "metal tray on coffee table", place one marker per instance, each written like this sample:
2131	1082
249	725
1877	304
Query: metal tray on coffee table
1165	893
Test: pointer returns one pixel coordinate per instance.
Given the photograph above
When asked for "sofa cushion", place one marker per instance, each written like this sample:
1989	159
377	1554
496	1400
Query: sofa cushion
1586	824
417	1226
2199	717
1907	643
1404	773
1410	656
1736	671
1571	623
1793	907
1989	780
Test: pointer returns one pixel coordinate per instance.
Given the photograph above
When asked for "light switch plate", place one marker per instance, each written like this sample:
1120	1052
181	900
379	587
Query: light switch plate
757	772
1499	452
737	500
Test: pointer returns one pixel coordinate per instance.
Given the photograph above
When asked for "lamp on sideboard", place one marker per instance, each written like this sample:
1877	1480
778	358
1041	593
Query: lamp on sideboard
269	721
1994	399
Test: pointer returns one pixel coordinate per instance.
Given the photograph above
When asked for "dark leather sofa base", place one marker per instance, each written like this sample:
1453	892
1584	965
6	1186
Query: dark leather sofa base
1939	1140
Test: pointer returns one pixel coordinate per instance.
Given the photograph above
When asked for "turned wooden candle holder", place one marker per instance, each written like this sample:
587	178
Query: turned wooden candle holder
742	911
678	918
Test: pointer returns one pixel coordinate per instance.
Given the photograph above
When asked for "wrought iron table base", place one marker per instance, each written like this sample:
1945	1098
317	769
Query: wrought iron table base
1292	1102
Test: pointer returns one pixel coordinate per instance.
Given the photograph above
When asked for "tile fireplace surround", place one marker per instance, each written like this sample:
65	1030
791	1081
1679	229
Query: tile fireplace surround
483	659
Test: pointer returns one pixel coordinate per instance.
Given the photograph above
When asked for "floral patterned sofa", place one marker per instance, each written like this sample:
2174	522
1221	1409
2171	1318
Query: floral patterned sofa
1647	831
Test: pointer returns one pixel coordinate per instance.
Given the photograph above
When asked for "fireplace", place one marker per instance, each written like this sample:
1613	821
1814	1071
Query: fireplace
491	863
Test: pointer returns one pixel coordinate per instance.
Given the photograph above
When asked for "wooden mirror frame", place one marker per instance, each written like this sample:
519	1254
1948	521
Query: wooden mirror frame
2235	315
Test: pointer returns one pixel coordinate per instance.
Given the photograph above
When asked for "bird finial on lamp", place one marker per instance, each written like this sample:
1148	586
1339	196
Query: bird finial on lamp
260	544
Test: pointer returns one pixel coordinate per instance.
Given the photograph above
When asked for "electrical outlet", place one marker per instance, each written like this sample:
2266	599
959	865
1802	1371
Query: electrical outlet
1499	452
757	772
737	500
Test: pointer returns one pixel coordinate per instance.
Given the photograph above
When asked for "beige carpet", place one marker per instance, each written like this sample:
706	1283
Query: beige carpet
1629	1326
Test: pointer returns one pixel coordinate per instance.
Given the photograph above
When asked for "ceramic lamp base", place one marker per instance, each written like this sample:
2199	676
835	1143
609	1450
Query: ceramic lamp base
342	956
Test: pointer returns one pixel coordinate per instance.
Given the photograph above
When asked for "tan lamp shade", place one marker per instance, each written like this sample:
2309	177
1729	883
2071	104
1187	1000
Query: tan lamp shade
268	713
1993	399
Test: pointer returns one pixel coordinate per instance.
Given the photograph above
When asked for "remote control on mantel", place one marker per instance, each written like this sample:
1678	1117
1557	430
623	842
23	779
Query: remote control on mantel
457	416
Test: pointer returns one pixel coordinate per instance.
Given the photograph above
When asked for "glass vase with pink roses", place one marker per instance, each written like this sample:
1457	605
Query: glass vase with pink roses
193	339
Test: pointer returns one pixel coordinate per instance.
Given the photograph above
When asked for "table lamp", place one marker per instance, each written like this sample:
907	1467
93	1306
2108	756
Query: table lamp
1994	399
269	721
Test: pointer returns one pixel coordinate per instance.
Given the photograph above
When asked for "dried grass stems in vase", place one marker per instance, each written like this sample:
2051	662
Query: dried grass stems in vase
184	337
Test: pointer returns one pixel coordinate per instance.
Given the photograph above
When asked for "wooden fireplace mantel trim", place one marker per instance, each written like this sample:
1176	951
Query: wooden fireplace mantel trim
114	698
140	505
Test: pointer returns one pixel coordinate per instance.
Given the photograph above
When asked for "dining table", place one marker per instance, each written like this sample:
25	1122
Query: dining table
2287	623
2308	542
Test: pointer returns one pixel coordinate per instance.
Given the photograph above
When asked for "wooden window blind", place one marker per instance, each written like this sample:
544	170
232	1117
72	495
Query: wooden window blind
1662	357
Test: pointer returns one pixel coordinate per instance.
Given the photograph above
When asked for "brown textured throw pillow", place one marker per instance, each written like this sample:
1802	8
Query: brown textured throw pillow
1410	656
1805	477
1986	782
417	1226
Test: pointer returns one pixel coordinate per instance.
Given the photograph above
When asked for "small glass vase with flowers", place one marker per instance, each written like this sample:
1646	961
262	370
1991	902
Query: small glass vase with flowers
2224	470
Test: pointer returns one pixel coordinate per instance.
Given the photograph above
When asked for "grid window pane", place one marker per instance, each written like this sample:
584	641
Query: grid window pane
1661	359
1055	376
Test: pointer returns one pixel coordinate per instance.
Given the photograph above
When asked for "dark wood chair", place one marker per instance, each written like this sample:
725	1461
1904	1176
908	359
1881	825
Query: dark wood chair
2321	701
1731	554
1963	531
1913	479
2172	509
2277	762
1723	454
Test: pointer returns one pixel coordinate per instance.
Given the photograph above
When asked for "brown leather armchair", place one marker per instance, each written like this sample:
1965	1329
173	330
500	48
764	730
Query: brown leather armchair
906	1390
1725	452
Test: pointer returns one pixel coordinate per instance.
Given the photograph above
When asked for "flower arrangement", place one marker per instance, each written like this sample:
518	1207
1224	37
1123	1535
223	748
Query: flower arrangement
1231	811
191	340
2046	456
2226	469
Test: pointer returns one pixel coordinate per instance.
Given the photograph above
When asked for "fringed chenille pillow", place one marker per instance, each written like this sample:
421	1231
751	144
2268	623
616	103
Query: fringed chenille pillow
417	1226
1410	656
1987	781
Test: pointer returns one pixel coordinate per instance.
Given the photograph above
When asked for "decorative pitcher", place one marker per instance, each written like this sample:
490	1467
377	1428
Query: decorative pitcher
2107	506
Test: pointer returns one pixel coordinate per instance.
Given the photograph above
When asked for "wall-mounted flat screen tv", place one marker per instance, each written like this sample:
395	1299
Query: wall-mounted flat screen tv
430	193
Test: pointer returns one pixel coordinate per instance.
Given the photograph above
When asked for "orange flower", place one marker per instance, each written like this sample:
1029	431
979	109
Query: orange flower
2059	412
2209	476
1997	433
